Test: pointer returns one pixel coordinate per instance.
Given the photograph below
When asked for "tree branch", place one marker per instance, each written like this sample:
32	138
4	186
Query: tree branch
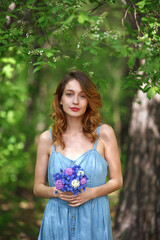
25	15
100	4
135	17
125	15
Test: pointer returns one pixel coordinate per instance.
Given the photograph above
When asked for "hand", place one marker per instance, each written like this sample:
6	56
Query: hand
82	197
66	196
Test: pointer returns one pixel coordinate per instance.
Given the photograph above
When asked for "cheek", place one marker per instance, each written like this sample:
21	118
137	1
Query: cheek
85	104
64	100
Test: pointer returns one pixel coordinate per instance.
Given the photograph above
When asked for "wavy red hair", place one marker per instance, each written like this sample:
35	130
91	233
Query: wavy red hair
90	120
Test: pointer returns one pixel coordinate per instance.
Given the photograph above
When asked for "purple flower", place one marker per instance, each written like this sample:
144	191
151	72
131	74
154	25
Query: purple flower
68	171
83	181
59	184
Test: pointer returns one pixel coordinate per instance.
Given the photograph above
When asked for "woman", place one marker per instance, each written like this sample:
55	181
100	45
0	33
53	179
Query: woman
77	137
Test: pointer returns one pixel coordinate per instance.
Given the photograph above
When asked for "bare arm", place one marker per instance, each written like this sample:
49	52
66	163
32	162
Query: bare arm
114	165
40	188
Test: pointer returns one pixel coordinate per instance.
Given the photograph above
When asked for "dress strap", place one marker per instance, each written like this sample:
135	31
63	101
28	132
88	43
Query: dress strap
50	133
95	144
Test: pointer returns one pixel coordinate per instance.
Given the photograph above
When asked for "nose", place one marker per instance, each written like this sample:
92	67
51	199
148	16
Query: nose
75	100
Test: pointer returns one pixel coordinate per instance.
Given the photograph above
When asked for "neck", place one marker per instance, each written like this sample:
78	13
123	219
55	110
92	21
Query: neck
74	125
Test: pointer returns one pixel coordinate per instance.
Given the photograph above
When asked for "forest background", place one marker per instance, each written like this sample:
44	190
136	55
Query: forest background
117	44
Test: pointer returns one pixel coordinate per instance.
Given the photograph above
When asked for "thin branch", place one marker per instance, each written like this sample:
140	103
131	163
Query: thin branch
25	15
75	32
135	17
100	4
45	33
123	22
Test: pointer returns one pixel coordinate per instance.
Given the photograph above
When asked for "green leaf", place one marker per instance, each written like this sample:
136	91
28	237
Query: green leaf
8	60
9	14
151	92
49	54
11	116
146	88
7	70
111	1
52	64
141	4
144	19
26	40
93	51
41	19
38	63
4	42
157	89
131	61
82	18
37	69
40	41
124	51
69	20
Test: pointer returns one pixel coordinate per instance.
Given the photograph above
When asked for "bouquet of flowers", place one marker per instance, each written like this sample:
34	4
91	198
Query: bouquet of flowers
72	179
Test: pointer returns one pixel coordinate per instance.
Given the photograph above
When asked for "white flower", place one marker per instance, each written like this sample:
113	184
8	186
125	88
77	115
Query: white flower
75	183
80	172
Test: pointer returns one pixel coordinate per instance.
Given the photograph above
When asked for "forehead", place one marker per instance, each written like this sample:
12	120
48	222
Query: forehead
73	85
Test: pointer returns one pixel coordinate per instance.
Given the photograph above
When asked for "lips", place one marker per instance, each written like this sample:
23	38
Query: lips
75	109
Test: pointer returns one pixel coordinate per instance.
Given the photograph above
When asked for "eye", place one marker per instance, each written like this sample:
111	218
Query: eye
82	96
69	94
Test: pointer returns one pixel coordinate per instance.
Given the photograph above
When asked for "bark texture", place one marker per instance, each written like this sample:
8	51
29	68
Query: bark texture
138	213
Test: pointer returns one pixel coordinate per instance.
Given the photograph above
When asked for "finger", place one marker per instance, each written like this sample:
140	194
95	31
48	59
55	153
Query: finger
69	195
73	201
67	198
75	205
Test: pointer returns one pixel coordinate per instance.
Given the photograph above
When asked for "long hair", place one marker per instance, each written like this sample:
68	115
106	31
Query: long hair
91	118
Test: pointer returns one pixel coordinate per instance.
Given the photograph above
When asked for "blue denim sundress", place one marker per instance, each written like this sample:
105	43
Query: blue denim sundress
89	221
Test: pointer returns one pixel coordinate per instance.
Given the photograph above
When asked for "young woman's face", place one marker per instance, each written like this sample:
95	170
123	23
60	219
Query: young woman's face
73	99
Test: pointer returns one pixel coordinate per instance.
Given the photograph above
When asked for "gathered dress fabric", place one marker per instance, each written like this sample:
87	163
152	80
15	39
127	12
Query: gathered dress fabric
89	221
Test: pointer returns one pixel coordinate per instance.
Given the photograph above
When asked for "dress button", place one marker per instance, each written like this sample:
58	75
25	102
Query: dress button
72	163
73	229
73	216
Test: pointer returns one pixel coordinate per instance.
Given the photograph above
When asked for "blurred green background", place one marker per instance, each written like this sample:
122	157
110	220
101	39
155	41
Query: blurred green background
40	42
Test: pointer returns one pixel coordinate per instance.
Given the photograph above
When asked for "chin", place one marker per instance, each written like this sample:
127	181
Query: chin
75	115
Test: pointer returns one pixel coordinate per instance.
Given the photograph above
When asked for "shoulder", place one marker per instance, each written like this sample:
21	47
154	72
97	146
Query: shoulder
106	133
45	137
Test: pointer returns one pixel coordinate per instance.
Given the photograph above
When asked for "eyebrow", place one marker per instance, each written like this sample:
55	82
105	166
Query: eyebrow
73	91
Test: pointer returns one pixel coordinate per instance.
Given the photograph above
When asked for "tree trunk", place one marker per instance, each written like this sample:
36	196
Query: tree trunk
138	213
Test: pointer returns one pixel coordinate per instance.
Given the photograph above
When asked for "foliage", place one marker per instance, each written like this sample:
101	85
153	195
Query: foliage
41	29
12	97
40	40
144	44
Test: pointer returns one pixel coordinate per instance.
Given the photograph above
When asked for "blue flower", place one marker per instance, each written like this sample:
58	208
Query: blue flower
72	179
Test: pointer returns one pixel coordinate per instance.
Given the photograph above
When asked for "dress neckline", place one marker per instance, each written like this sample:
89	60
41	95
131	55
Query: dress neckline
93	148
76	158
71	160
